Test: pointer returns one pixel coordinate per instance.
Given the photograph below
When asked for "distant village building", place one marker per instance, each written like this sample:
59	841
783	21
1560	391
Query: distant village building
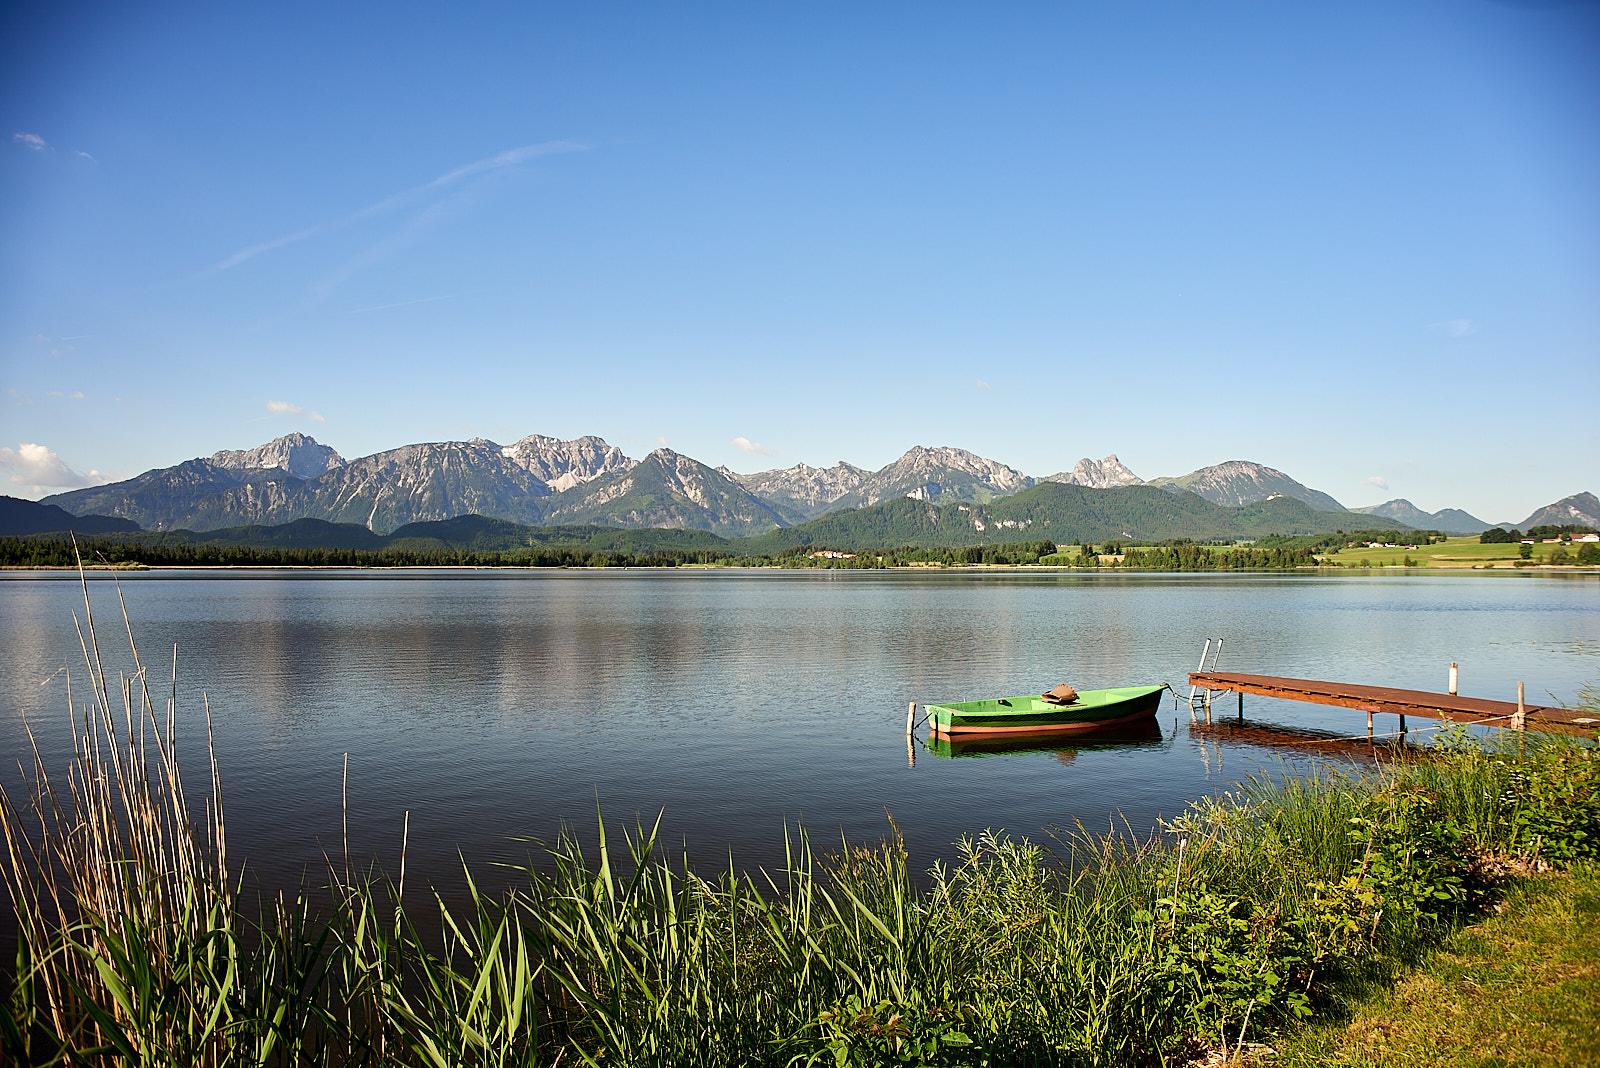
830	554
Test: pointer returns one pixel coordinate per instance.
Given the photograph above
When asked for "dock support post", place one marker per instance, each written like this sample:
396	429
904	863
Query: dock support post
911	717
1519	721
1452	679
1241	704
1369	724
1402	726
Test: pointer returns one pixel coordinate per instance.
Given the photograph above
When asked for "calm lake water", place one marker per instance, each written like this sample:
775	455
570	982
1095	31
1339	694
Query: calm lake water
496	706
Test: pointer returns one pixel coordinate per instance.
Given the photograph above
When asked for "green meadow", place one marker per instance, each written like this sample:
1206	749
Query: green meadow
1462	552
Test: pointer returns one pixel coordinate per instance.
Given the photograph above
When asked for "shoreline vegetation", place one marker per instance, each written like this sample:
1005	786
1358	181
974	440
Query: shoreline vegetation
1519	987
1250	915
1364	550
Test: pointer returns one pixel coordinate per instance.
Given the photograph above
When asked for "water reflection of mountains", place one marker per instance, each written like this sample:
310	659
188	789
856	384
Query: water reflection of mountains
1140	735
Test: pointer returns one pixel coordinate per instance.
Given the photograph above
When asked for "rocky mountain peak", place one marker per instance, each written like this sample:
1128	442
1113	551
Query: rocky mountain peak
1236	483
803	486
299	454
1098	474
564	464
995	474
992	474
940	472
1580	508
688	477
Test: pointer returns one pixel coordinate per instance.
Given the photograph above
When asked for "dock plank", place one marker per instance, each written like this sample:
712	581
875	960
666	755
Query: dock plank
1377	699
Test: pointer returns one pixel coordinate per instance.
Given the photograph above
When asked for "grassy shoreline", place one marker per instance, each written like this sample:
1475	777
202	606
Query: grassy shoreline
1252	914
1521	986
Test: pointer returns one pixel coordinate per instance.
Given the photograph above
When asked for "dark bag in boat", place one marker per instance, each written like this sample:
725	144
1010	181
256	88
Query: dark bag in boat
1061	695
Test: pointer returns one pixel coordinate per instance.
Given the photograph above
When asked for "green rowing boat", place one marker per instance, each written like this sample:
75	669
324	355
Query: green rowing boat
1141	733
1033	714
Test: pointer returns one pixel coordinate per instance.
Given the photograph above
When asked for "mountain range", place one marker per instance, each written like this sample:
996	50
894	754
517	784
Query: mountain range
542	481
1403	511
1047	511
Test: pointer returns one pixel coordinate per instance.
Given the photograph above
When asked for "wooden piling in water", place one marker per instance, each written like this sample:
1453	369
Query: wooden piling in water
1520	719
911	718
1452	679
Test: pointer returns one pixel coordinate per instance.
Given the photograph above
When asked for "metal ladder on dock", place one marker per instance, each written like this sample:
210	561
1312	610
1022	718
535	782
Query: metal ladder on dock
1199	698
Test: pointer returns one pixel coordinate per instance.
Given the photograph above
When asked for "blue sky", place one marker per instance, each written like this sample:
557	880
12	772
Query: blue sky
1359	243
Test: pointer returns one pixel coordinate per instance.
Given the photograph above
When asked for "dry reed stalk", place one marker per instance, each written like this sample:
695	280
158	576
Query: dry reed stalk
116	876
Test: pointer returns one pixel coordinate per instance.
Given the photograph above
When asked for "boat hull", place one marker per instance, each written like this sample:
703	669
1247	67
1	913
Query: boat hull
1030	714
1142	733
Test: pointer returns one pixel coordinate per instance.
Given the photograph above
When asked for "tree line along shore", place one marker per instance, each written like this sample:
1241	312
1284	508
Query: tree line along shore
1364	550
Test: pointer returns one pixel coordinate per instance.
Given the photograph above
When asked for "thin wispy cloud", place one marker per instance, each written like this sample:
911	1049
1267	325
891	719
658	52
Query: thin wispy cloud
1454	327
1376	480
389	203
981	384
38	144
39	468
58	345
75	395
278	407
404	303
413	228
752	446
267	246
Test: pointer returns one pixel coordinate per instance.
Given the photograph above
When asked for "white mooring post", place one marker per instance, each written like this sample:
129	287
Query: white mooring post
911	718
1519	721
1452	680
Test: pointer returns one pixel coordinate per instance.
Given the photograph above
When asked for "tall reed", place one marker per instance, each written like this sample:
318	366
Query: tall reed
127	922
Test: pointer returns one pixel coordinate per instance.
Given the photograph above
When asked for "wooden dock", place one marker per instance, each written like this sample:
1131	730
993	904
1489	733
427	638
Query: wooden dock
1386	699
